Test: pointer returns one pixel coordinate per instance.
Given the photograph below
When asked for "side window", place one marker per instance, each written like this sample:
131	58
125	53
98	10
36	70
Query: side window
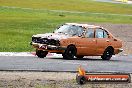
90	33
101	33
105	34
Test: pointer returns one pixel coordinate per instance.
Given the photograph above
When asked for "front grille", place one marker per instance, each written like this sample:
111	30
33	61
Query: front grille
45	41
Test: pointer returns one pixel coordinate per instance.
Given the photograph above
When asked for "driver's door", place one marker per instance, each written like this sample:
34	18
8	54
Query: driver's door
88	44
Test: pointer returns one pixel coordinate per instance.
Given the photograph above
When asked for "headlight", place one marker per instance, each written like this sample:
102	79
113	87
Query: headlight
33	39
36	39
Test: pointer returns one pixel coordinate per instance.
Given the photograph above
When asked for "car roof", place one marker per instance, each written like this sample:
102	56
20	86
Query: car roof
84	25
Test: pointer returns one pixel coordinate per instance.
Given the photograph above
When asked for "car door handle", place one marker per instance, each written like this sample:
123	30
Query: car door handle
107	40
94	40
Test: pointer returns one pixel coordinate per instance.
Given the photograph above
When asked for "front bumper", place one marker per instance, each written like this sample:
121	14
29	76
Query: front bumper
47	47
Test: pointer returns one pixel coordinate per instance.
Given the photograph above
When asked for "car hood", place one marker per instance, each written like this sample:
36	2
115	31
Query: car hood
56	36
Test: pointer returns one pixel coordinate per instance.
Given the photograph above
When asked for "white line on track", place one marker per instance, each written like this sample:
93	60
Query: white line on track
50	55
27	54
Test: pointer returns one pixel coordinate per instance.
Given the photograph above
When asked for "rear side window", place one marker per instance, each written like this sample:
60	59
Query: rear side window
100	33
105	34
90	33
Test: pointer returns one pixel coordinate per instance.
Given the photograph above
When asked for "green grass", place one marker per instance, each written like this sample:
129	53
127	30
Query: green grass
17	25
72	5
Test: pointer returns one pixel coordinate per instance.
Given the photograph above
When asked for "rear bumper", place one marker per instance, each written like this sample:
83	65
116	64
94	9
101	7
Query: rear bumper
120	50
117	50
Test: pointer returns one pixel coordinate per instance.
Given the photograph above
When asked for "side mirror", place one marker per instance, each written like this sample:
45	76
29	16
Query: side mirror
83	34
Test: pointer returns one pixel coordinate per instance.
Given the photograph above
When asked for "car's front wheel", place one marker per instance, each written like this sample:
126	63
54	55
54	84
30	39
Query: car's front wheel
69	53
41	53
107	54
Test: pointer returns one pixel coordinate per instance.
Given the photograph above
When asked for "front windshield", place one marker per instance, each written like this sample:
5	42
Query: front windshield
70	30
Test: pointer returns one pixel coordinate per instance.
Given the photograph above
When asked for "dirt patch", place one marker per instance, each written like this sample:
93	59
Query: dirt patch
48	80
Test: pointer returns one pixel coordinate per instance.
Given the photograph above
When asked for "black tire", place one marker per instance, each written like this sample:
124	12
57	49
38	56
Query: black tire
129	80
69	53
80	80
79	56
107	54
41	53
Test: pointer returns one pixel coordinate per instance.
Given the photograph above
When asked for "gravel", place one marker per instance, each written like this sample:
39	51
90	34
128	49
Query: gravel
49	80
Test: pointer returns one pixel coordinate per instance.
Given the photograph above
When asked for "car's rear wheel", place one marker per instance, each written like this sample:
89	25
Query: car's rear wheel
41	53
70	52
107	54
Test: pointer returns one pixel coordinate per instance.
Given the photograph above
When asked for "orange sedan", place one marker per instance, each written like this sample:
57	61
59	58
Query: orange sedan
77	40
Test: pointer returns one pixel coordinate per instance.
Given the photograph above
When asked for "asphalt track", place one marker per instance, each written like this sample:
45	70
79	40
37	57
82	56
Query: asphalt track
90	64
